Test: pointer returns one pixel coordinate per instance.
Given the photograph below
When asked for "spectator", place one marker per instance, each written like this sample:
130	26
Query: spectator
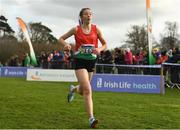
176	56
169	53
58	60
67	59
119	56
26	60
1	65
128	58
43	60
162	58
107	59
16	60
175	70
155	55
99	68
119	59
138	58
50	60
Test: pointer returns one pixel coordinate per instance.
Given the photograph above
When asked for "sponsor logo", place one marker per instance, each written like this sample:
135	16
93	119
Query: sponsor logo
99	82
6	72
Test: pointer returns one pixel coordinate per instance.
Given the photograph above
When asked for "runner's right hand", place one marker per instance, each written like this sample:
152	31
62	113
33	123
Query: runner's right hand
67	47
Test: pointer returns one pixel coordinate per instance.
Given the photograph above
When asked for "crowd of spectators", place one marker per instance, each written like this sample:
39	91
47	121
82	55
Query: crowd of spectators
119	56
114	61
56	60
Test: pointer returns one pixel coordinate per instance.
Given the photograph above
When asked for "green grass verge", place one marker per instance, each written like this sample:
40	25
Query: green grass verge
43	105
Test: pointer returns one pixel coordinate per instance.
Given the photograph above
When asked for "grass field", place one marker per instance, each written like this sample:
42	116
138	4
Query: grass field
41	105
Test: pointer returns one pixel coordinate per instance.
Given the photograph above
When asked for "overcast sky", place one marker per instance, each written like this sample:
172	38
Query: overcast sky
114	17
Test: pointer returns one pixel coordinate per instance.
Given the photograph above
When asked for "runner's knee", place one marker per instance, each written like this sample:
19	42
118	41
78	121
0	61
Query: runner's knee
86	89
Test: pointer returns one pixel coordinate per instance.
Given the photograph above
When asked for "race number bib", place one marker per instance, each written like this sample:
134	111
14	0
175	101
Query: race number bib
86	52
86	49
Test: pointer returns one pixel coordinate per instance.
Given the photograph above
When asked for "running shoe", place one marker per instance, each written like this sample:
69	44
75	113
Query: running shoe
93	123
70	96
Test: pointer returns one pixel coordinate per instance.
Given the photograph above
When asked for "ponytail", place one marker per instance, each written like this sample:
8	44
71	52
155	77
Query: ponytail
80	21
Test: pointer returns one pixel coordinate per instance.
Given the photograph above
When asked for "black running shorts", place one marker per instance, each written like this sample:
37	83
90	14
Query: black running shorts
89	65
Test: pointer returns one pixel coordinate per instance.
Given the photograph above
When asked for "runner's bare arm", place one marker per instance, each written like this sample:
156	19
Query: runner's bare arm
65	36
102	40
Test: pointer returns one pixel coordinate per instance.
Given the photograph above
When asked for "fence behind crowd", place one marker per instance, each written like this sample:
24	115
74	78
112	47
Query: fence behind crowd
128	69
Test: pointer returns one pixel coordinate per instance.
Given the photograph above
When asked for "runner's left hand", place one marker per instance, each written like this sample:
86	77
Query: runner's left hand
97	51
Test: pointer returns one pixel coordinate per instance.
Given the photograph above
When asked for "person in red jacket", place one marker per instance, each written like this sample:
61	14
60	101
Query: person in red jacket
163	57
128	57
86	51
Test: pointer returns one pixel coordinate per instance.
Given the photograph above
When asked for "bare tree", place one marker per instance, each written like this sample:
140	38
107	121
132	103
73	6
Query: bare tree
169	38
137	37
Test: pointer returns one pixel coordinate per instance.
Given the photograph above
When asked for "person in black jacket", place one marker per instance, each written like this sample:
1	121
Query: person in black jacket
175	70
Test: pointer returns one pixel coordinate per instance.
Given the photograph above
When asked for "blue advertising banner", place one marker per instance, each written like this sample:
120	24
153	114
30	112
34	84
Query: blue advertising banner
126	83
13	71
